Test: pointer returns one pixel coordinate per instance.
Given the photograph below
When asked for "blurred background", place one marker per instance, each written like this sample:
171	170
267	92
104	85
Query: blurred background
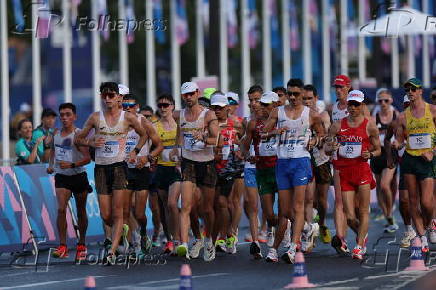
53	52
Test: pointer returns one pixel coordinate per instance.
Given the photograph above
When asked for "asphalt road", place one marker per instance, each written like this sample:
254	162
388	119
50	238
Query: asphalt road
238	271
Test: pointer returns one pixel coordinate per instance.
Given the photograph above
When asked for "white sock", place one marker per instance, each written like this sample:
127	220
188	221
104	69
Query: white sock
409	228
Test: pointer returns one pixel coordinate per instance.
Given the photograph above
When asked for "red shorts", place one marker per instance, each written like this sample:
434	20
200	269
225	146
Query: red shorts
354	176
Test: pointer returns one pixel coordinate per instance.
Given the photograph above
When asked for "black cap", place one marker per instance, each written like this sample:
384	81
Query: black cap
47	112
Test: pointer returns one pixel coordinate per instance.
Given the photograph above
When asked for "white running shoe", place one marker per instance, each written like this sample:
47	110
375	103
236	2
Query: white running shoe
262	237
271	235
248	237
308	238
287	237
289	256
194	252
424	244
407	237
209	251
391	228
272	256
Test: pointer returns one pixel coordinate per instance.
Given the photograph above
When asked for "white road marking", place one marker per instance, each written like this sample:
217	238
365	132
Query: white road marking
47	283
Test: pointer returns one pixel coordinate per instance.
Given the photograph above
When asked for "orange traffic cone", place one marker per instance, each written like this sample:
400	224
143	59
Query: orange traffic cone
300	279
416	259
90	283
185	277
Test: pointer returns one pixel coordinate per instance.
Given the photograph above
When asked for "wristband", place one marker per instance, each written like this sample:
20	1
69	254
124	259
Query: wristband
371	155
137	150
73	165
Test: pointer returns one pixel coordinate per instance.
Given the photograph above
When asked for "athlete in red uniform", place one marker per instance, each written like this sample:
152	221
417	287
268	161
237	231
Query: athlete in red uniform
354	140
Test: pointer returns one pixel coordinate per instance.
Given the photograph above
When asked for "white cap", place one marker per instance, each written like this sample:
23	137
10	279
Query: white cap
123	90
406	99
219	100
233	96
269	98
188	87
355	95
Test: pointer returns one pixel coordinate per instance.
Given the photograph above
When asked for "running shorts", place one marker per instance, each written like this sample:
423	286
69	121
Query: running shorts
323	174
418	166
165	176
77	183
266	181
200	173
293	172
138	178
355	176
224	184
110	177
250	177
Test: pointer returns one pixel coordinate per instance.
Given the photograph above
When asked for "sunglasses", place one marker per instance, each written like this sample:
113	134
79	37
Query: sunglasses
354	104
307	98
148	116
338	86
216	108
408	89
296	94
264	104
128	105
383	101
163	105
108	95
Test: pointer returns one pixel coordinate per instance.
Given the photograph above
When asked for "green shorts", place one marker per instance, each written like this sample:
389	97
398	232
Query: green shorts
266	180
416	165
165	176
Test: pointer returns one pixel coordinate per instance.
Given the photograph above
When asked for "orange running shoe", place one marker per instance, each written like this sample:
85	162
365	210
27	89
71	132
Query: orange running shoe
61	252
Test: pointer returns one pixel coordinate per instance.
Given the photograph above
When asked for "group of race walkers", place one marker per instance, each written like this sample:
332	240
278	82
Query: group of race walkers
203	159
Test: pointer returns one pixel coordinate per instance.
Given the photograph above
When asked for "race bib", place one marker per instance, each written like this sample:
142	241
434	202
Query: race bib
268	147
130	145
226	152
319	156
166	154
350	149
109	150
252	152
420	141
64	154
192	144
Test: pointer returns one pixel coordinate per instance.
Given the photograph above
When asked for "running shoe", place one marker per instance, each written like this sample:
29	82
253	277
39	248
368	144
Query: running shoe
407	237
195	248
248	237
255	250
391	228
289	255
155	241
81	252
432	232
287	237
61	252
315	215
308	238
176	245
358	252
231	244
124	245
263	237
107	244
270	235
424	244
145	244
169	247
325	235
340	245
182	251
209	251
272	256
220	245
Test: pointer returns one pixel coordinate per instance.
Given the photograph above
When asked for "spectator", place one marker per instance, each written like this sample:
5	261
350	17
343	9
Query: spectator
48	119
25	112
26	149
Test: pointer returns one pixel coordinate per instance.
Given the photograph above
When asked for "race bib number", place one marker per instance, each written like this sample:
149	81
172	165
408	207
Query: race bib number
420	141
226	152
109	150
192	144
268	147
319	156
350	149
64	154
129	146
166	154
